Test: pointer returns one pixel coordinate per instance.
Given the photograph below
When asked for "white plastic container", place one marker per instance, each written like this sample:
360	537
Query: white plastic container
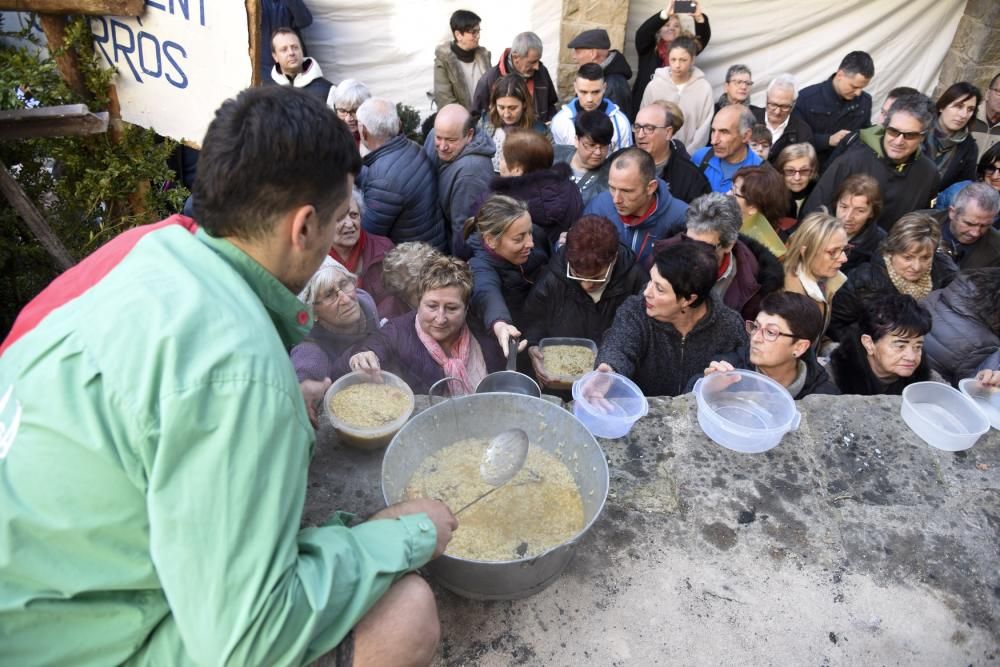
608	404
376	436
745	411
986	399
942	416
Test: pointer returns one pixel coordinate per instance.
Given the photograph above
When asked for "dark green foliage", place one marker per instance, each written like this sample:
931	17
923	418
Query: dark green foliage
81	185
409	121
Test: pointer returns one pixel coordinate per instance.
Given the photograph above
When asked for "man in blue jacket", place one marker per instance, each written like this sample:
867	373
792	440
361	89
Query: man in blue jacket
638	203
729	149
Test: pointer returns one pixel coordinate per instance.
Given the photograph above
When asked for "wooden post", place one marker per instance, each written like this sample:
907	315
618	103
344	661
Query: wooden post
67	62
253	24
11	189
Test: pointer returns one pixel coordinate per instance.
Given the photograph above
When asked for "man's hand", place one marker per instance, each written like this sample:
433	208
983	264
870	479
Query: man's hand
837	137
366	362
504	332
538	363
989	379
596	388
313	392
444	521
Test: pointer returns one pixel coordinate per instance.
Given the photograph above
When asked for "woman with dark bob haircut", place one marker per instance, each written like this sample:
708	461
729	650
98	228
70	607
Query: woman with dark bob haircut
950	143
780	340
763	199
671	332
582	287
883	352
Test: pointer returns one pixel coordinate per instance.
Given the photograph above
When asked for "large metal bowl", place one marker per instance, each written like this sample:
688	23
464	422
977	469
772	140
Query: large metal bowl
549	427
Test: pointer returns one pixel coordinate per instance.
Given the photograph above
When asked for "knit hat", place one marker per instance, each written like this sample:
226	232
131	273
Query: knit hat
591	39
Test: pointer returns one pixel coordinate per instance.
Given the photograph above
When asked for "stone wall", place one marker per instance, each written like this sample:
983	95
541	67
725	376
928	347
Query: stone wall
580	15
975	52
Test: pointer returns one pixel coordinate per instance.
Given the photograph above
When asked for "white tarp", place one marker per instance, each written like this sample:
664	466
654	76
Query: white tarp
390	45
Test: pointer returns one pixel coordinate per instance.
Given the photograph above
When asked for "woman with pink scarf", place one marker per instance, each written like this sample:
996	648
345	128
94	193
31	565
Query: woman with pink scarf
435	340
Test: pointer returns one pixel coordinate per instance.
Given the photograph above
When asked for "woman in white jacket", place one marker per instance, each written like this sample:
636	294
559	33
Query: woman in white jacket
684	84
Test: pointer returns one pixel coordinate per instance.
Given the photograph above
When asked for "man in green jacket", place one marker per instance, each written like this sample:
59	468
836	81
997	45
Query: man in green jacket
154	442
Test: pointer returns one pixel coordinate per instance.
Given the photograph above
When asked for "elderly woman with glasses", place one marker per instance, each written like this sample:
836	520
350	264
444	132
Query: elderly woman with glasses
345	100
582	287
434	341
908	263
780	340
816	251
661	339
343	315
747	271
799	166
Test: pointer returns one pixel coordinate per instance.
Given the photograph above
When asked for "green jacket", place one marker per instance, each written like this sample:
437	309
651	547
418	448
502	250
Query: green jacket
153	454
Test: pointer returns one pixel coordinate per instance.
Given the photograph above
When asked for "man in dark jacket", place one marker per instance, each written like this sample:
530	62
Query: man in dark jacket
891	155
276	14
638	203
524	57
292	69
398	180
836	107
968	234
594	46
464	158
654	132
786	128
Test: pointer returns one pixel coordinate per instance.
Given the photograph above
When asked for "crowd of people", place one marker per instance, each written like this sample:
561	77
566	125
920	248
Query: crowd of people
684	233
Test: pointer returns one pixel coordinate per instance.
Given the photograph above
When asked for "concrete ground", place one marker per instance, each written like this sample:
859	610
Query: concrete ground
851	543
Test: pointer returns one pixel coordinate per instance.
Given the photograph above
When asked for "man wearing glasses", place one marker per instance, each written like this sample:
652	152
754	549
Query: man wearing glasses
986	128
654	133
891	155
786	127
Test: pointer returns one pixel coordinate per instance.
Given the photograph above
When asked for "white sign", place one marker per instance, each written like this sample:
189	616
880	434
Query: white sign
177	62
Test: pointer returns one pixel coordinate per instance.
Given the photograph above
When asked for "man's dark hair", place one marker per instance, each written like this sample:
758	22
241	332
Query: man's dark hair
988	159
858	62
267	151
284	31
901	91
690	267
804	319
463	21
594	125
894	314
919	106
642	160
590	72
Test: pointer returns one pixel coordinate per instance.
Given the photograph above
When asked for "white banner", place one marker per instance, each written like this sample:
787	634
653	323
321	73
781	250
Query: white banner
177	62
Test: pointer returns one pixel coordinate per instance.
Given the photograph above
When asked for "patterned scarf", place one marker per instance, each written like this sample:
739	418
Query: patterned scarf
917	290
468	365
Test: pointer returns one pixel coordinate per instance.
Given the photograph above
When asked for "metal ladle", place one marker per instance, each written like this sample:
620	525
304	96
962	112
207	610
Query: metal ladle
504	458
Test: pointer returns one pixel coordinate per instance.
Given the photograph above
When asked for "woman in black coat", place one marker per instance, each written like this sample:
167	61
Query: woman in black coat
908	263
582	287
858	203
950	142
652	43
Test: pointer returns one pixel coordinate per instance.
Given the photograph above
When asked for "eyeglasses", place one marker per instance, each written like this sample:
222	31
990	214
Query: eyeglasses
474	31
792	173
770	332
741	82
346	112
738	195
589	147
647	129
893	133
778	107
834	253
994	90
989	171
344	287
607	274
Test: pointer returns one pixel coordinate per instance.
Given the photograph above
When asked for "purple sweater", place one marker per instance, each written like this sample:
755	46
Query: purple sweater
400	351
314	358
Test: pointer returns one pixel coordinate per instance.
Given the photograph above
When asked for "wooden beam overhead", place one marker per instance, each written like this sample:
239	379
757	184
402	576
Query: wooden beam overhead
71	120
90	7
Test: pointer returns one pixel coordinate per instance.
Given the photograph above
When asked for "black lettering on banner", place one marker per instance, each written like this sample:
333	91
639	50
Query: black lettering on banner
143	52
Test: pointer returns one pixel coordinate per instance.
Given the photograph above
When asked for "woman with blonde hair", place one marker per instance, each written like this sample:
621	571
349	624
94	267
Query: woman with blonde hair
505	262
816	251
434	341
908	263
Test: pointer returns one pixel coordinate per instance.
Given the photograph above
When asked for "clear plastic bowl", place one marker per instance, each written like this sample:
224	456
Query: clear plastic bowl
745	411
367	438
611	416
986	399
565	381
942	416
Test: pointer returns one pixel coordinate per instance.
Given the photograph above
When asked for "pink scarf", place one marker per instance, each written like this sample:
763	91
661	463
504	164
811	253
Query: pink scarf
467	366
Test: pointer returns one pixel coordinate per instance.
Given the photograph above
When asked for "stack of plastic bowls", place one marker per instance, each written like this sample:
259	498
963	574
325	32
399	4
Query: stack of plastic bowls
745	411
608	404
942	416
986	399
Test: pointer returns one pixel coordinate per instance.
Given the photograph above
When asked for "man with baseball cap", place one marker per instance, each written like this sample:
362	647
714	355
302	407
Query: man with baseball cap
594	46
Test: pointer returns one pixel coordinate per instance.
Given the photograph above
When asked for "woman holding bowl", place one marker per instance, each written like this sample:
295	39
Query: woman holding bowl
676	327
434	341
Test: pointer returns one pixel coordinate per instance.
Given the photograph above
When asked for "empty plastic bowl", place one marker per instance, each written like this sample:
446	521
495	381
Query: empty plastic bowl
608	404
985	398
372	437
942	416
745	411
